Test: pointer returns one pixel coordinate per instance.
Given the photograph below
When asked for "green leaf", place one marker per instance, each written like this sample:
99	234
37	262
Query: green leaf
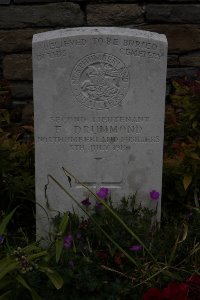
36	255
33	293
186	181
7	266
4	115
63	223
175	84
196	200
172	275
6	220
184	233
59	242
59	248
31	248
4	296
4	282
194	124
55	278
194	156
195	249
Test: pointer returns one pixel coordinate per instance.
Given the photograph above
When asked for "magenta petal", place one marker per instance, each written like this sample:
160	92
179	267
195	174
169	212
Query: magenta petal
68	239
136	248
98	206
86	202
154	195
102	193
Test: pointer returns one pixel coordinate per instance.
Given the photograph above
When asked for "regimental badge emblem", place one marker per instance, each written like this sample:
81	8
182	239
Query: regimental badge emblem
100	81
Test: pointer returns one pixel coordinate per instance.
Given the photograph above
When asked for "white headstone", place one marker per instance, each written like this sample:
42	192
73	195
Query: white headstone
99	99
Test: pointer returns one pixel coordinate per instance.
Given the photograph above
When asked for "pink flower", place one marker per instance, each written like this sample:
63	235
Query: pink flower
98	206
68	239
154	195
153	294
194	279
86	202
136	248
102	193
176	291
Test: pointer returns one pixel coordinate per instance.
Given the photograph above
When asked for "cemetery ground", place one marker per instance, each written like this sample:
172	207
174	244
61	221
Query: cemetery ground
114	253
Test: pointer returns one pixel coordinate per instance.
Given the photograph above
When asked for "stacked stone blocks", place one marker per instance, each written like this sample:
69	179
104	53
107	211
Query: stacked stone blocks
20	19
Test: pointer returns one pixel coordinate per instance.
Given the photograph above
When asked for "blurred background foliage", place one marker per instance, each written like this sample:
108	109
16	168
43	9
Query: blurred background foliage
16	164
181	178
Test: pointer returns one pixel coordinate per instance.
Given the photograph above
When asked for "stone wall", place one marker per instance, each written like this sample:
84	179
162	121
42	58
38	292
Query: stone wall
20	19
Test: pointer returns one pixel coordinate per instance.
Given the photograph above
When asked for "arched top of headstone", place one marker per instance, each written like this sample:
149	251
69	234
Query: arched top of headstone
54	34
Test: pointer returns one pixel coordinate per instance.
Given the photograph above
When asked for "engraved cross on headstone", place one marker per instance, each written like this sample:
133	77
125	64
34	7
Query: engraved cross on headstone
100	179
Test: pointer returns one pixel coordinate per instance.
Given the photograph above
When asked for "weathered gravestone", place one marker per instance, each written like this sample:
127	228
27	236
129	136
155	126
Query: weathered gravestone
99	97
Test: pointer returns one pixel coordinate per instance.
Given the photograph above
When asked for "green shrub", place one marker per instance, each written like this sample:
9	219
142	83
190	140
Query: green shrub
16	165
82	263
181	179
